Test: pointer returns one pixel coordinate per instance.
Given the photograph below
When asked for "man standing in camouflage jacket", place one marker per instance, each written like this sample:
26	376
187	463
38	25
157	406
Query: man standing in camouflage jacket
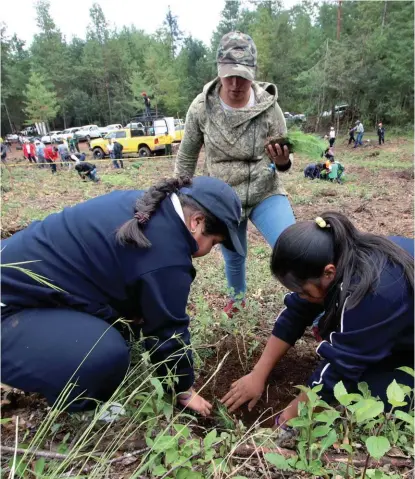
232	118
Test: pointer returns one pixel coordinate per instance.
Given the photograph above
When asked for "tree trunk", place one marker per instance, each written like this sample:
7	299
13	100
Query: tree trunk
384	15
8	116
339	19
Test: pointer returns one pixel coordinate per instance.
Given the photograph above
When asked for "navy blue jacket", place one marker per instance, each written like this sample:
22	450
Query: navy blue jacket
77	250
381	326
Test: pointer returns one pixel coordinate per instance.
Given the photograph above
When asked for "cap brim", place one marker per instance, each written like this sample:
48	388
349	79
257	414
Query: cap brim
233	243
236	70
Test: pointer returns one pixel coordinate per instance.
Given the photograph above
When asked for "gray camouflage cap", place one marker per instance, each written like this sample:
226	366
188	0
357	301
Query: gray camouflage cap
237	56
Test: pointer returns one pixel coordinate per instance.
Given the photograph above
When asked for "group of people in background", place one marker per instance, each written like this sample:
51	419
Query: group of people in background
330	170
35	151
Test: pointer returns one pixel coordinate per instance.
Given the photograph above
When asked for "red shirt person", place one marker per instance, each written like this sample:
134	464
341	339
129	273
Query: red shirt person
51	155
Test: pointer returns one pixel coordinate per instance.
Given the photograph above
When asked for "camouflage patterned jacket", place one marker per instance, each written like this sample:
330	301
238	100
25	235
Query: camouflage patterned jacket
234	142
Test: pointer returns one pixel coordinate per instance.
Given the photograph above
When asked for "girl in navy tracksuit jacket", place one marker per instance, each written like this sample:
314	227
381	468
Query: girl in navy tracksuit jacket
127	255
362	287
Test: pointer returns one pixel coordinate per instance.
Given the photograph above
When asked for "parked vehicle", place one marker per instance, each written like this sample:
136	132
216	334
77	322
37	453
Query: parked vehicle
87	132
339	111
29	130
142	141
107	129
178	130
52	137
68	133
12	137
135	126
300	117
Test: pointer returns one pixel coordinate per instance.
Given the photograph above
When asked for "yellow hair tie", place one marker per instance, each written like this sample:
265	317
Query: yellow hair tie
320	222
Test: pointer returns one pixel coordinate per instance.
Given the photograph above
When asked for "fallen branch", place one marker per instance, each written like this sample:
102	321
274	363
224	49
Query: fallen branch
47	454
130	455
358	461
63	457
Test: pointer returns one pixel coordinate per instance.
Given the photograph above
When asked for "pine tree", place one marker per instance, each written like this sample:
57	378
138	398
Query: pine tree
41	104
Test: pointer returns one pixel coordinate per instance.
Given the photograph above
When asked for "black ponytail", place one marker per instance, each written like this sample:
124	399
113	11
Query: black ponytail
305	248
131	232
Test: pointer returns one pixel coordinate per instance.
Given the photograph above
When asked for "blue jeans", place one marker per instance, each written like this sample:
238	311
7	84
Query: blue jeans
359	139
271	217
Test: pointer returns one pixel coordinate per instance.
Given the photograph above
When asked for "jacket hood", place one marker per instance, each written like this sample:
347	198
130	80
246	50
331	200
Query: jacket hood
266	94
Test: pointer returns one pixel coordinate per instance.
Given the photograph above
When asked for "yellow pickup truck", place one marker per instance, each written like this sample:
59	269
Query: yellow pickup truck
133	141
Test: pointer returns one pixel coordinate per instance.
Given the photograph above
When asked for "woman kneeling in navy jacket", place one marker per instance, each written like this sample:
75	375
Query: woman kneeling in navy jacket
127	255
362	287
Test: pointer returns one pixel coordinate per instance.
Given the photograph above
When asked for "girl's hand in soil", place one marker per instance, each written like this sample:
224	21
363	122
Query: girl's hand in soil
279	156
248	388
194	401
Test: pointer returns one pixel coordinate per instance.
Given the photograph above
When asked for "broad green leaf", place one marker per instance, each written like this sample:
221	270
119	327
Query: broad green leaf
301	465
164	442
316	468
277	460
182	431
313	398
159	470
406	389
318	388
183	473
321	403
328	416
407	369
158	387
320	431
404	416
395	394
40	466
328	441
210	439
304	389
347	447
172	455
342	396
299	422
339	390
367	409
363	387
377	446
168	410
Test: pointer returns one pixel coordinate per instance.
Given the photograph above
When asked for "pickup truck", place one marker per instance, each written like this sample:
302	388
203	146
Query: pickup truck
133	141
107	129
88	132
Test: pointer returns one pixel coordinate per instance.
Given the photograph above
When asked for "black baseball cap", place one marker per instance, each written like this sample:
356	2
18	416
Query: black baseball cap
221	200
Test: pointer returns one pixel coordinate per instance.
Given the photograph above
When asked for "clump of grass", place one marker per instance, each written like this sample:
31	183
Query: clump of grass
299	142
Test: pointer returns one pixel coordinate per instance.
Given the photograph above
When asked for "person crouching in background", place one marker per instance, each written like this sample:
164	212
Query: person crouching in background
313	170
87	170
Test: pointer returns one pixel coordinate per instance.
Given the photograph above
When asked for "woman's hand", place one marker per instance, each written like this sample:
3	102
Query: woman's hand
248	388
194	401
279	156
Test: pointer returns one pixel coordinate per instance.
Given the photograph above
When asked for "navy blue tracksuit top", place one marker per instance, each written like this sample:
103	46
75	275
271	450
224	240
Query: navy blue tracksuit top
381	326
76	249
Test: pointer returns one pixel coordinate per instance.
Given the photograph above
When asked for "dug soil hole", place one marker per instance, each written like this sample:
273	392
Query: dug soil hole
293	370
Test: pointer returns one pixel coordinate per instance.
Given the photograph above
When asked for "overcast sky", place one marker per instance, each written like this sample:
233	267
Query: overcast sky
196	17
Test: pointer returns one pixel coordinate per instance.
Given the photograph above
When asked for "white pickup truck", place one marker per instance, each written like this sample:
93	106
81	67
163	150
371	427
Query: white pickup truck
107	129
88	132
